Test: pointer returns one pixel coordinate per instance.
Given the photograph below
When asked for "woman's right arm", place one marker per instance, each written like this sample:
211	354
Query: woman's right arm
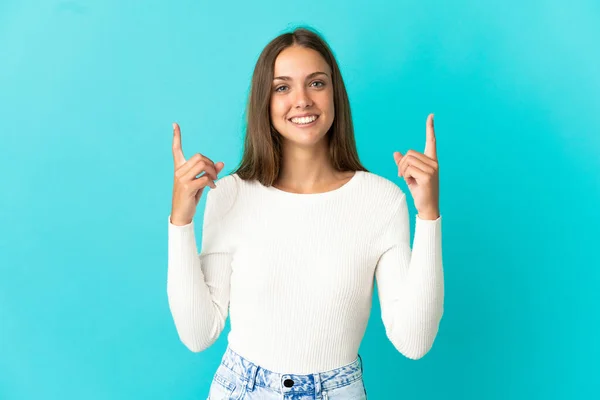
198	284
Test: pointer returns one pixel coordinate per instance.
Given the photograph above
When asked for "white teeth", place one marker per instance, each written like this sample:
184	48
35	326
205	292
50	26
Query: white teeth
304	120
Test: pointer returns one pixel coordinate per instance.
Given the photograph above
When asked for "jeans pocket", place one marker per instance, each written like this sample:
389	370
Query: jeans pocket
223	385
353	391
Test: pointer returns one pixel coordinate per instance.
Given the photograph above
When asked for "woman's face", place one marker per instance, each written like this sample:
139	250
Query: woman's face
302	108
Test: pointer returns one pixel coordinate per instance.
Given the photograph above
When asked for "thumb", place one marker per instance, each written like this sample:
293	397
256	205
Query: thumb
219	166
397	157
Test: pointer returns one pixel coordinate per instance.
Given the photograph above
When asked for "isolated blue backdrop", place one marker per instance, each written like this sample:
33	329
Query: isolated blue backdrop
88	92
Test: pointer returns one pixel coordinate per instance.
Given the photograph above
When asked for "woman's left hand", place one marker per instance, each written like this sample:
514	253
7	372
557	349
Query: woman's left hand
420	171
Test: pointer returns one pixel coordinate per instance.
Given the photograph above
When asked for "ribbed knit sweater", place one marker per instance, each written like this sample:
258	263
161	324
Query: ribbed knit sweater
296	273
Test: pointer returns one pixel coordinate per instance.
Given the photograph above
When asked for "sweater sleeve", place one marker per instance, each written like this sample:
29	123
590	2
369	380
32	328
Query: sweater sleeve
198	284
410	283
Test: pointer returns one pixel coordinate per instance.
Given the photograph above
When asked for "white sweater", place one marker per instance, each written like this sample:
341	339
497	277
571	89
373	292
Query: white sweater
296	273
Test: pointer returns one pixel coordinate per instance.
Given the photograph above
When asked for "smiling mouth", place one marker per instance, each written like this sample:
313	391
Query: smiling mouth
309	119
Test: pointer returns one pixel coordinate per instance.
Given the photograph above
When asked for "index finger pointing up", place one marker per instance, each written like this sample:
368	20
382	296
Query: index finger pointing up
178	156
430	146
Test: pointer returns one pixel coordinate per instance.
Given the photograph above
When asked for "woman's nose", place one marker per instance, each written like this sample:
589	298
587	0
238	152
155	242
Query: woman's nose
302	99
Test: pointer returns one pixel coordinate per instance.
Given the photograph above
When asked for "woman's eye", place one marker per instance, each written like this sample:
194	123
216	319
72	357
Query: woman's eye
318	84
279	88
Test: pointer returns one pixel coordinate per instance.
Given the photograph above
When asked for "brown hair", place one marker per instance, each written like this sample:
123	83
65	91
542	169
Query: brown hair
261	158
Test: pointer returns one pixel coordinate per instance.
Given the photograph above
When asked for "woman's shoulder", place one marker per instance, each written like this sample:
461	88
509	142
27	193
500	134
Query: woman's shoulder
223	197
380	198
227	180
381	187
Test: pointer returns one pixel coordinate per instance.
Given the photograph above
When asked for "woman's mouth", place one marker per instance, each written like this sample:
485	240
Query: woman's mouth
305	121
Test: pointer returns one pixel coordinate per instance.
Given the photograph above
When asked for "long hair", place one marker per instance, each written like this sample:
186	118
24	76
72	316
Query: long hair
262	153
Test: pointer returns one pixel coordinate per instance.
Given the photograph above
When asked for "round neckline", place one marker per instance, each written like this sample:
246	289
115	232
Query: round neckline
328	193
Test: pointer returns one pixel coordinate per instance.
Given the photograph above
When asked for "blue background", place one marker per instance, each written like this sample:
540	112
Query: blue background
88	92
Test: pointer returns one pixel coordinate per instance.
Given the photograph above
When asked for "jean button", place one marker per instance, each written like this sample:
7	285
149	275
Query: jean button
288	383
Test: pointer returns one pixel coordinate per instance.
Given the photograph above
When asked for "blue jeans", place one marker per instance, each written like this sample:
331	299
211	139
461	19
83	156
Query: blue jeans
239	379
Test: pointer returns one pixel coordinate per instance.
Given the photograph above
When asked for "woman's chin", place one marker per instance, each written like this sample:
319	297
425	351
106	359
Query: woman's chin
309	137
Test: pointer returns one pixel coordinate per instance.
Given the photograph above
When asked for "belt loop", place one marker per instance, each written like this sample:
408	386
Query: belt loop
317	378
252	370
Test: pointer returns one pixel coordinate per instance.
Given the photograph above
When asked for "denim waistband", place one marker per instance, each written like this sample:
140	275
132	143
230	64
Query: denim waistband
285	383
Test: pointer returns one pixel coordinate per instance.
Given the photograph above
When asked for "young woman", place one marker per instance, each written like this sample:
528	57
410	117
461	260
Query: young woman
294	240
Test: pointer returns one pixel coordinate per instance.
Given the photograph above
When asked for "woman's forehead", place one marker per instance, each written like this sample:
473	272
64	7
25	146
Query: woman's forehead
298	62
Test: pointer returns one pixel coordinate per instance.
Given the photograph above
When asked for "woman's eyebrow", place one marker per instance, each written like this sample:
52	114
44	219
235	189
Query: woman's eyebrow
287	78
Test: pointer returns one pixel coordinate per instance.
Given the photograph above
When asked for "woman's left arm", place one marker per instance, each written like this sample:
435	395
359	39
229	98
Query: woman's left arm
410	282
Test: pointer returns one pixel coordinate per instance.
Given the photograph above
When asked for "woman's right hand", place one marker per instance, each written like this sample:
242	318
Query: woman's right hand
187	187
